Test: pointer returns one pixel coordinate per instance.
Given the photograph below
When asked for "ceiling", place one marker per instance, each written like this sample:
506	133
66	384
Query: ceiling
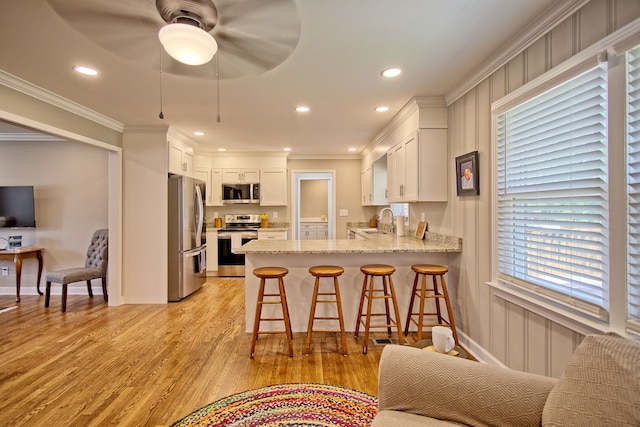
334	69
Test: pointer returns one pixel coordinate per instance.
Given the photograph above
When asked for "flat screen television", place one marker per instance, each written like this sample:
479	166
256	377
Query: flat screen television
17	207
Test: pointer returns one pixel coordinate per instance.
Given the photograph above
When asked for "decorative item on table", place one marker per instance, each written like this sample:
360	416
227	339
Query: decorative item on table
264	220
373	222
15	242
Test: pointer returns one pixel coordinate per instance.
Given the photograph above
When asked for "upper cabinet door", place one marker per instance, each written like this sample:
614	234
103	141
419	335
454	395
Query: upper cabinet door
273	187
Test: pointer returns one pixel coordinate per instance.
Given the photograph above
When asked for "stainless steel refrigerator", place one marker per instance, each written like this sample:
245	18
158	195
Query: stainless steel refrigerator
187	236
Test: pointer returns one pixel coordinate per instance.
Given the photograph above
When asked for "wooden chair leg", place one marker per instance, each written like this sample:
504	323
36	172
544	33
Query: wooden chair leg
258	314
413	296
287	319
312	315
89	289
397	312
343	334
385	293
359	317
64	298
104	289
47	294
367	324
452	323
423	296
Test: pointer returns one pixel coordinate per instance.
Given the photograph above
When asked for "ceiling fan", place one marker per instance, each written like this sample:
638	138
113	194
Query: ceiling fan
252	36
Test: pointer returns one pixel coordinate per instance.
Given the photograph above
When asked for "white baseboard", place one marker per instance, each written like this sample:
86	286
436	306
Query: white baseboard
29	289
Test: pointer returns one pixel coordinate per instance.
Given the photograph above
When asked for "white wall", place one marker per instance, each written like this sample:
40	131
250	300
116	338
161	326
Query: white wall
70	182
512	334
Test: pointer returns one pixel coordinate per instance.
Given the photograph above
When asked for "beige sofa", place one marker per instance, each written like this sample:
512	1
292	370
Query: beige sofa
599	387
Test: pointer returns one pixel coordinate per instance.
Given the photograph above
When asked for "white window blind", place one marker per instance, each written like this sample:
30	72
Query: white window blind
552	201
633	188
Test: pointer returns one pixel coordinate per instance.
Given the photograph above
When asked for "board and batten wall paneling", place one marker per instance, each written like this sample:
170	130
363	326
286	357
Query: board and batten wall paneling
510	334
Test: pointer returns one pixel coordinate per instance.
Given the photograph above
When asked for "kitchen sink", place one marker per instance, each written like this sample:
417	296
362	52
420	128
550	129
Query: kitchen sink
368	230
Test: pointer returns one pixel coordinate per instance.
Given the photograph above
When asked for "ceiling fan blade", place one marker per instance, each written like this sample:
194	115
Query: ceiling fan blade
128	28
242	54
253	36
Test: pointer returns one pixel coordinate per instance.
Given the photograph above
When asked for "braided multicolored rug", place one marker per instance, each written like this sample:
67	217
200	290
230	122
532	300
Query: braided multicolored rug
304	404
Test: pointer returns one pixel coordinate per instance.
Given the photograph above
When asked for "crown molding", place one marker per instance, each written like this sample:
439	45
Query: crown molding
549	19
23	86
29	137
324	157
413	105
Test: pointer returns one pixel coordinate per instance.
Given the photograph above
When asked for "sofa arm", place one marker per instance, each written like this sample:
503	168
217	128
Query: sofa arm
459	390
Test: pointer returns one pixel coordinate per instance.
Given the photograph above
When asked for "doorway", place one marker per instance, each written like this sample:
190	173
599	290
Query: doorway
307	186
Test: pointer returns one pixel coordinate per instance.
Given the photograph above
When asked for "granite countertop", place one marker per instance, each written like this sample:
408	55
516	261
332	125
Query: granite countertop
374	243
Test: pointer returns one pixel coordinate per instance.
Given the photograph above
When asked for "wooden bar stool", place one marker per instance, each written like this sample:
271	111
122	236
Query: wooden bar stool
320	271
434	293
265	273
371	271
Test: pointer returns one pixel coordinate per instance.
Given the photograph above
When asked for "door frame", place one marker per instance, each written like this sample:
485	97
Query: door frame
305	175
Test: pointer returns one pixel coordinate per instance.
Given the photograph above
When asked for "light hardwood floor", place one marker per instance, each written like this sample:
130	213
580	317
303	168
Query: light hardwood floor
149	365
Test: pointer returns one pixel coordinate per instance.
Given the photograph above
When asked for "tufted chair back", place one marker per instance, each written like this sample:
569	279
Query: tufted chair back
98	252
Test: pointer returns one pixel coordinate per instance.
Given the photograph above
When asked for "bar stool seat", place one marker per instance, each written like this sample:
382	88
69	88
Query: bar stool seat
264	273
386	293
434	293
329	271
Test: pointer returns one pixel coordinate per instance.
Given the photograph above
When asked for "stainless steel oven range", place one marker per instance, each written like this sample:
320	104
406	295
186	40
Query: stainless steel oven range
238	230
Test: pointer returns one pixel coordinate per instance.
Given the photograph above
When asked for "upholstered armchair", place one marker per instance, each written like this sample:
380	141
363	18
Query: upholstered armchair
600	386
95	267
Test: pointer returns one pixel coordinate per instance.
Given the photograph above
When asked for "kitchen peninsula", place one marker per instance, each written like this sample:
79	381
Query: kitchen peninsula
298	255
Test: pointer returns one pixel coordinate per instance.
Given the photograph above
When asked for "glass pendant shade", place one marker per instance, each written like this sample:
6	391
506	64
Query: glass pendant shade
187	43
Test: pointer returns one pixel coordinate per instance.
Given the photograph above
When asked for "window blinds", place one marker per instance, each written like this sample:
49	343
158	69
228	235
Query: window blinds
552	202
633	188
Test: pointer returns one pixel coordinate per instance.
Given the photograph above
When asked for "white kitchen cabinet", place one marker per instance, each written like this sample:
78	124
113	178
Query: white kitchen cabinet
238	176
366	183
273	187
374	183
213	179
417	168
212	253
266	234
322	231
308	231
314	231
180	158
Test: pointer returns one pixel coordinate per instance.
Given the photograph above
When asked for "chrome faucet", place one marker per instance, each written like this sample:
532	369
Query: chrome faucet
393	227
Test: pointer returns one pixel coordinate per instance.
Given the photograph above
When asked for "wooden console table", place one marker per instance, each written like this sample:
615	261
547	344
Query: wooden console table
17	255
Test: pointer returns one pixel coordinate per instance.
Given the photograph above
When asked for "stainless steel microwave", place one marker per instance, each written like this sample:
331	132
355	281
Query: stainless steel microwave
241	193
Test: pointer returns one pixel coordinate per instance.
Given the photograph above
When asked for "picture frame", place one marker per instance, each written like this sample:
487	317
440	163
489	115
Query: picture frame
467	174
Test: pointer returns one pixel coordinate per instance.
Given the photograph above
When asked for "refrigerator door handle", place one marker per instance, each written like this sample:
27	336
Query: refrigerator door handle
199	219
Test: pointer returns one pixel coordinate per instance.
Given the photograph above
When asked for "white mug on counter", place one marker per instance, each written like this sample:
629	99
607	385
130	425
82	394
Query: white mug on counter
442	338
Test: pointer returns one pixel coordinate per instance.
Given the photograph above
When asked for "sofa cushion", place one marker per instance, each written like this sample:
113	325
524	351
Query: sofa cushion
600	385
406	419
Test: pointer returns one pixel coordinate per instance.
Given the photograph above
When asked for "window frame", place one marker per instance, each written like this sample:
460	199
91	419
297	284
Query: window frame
611	49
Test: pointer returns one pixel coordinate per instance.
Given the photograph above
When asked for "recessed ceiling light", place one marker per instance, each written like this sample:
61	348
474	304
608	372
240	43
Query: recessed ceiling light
302	109
352	148
222	149
287	148
382	109
85	70
391	72
198	133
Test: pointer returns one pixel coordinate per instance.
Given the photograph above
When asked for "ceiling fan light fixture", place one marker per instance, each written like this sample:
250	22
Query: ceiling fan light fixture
187	43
